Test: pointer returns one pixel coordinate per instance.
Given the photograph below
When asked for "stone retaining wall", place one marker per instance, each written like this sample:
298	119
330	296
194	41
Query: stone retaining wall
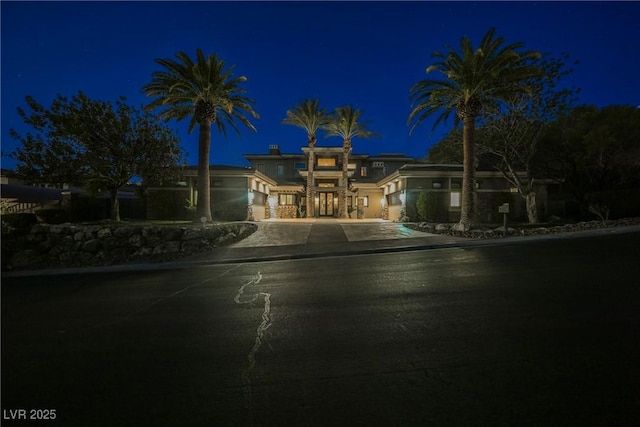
69	245
495	233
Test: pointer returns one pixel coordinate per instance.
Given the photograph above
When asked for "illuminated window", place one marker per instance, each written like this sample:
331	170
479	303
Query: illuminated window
363	171
326	161
365	201
286	199
455	199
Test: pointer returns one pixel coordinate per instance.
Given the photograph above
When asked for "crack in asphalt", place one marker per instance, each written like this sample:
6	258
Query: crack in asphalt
264	325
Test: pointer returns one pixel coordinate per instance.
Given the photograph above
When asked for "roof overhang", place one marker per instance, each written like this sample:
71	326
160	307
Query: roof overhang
437	171
288	188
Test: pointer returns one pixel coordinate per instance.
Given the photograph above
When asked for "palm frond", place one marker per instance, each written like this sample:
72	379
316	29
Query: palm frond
177	89
476	76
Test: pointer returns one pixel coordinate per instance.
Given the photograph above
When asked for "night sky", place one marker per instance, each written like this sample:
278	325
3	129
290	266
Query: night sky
363	53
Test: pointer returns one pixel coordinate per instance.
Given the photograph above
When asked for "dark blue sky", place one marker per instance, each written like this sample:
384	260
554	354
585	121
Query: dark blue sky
363	53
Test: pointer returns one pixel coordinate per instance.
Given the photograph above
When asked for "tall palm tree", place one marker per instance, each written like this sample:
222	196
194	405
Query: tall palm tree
475	78
310	117
205	92
344	123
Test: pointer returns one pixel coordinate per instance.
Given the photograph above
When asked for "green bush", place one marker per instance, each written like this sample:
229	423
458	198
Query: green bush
228	211
430	206
52	216
20	222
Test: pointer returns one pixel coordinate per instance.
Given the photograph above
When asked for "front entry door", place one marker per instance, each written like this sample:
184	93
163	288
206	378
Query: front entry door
326	204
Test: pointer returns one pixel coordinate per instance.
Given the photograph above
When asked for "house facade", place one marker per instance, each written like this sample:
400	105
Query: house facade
386	186
237	193
288	199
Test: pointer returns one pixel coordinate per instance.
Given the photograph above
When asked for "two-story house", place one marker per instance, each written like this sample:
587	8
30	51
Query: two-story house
288	199
386	186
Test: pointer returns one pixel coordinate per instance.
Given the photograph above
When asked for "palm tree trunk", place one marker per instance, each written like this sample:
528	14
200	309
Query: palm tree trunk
204	186
310	195
468	199
342	211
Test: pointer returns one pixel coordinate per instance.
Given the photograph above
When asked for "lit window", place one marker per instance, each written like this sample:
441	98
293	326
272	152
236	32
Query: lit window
455	199
326	161
279	169
286	199
363	171
365	201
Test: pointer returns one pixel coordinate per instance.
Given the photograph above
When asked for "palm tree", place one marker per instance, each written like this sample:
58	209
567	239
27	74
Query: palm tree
476	78
205	92
344	123
310	117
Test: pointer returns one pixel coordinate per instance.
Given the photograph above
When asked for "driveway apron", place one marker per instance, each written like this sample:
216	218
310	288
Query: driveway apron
326	233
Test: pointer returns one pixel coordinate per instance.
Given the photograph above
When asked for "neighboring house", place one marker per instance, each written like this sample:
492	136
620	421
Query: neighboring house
385	186
17	197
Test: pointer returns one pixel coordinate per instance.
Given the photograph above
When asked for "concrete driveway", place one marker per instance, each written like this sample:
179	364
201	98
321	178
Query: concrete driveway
309	231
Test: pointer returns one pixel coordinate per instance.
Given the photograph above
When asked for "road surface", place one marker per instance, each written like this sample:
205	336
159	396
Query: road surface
540	333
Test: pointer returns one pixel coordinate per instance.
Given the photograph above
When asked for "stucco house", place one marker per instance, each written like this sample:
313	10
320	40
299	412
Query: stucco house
237	193
385	186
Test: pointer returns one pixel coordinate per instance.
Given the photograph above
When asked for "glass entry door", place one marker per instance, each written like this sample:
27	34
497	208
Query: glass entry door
326	204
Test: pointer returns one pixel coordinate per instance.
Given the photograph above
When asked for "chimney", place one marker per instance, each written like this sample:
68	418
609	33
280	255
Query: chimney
274	150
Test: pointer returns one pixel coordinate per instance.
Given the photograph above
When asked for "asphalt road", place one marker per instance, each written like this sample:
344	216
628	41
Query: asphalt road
541	333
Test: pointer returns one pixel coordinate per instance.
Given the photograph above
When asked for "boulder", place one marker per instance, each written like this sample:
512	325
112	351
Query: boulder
137	241
92	246
167	248
125	231
192	233
25	258
169	233
442	227
104	233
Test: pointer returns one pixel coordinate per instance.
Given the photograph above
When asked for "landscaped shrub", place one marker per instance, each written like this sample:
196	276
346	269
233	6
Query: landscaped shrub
621	203
228	211
162	205
82	208
19	222
430	206
52	216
